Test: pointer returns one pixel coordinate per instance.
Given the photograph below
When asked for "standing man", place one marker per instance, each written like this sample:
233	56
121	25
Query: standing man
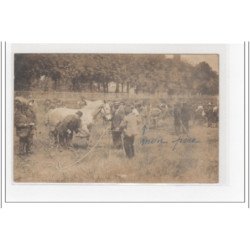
209	115
215	115
185	117
117	117
25	121
129	126
31	116
144	114
199	114
177	118
65	129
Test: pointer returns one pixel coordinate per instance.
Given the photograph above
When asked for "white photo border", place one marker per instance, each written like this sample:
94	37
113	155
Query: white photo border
231	186
1	119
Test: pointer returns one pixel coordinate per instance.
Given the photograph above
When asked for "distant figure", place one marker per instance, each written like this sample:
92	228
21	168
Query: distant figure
135	111
52	104
82	103
117	117
215	115
199	115
25	121
177	118
155	115
185	117
129	126
144	114
164	110
47	105
209	115
65	129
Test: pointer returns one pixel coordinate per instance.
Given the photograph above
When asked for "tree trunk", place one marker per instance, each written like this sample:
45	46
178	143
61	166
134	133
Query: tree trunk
107	86
90	87
127	87
117	88
55	85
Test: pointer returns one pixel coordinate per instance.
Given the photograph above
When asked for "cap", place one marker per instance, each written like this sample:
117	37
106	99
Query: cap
79	113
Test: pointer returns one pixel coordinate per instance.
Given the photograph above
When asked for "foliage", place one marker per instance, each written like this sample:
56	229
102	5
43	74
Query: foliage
93	72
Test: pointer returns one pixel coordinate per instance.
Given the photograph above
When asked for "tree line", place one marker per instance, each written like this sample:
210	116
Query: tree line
145	73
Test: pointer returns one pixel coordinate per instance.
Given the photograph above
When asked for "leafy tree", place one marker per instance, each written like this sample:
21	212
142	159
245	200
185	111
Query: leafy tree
93	72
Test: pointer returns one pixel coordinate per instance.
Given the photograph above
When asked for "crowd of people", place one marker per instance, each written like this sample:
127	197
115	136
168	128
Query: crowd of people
127	116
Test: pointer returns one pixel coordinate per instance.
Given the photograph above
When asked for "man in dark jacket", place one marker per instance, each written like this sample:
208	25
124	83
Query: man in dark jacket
129	125
209	115
66	128
177	118
25	121
185	117
118	115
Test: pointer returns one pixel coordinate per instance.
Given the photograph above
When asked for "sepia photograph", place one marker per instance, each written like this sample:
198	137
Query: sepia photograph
116	118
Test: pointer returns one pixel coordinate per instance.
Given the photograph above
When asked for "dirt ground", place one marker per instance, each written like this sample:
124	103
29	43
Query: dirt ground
172	160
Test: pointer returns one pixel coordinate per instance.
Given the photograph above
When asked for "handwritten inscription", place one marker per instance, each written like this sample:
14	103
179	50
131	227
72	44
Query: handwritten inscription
150	141
184	140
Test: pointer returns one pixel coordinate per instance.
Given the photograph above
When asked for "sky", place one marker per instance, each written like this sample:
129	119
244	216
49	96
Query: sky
211	59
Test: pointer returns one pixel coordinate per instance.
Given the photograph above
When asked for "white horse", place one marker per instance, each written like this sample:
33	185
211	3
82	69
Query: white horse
90	113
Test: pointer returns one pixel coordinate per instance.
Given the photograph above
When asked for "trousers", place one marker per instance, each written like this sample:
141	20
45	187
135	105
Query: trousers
129	146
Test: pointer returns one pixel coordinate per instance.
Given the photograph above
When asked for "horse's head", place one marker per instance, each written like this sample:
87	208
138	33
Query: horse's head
105	111
98	108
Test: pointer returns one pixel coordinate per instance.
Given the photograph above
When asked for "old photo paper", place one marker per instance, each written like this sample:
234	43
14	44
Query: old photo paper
116	118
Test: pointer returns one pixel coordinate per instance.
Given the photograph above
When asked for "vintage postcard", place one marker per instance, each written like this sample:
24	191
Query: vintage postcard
116	118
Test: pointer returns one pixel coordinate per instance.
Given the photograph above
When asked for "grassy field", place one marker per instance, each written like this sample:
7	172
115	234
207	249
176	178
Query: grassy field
187	162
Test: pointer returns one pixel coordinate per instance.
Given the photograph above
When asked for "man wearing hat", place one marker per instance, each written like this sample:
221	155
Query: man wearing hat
177	118
65	129
185	117
25	121
209	115
117	117
129	125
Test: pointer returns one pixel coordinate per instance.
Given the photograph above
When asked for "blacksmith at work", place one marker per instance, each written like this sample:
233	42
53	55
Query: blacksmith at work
66	128
25	121
129	125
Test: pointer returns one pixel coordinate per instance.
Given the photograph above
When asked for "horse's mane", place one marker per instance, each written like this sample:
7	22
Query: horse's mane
93	107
